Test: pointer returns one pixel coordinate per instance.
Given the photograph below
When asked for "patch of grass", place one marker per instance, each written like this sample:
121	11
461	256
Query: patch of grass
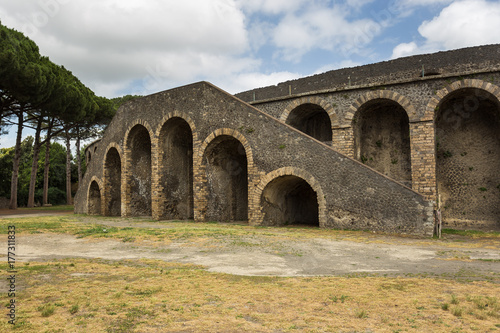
361	314
59	224
98	230
471	233
150	295
74	308
457	311
47	310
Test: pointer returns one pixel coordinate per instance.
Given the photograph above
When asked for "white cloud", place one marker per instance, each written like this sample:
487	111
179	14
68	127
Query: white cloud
109	42
404	49
248	81
461	24
324	28
464	23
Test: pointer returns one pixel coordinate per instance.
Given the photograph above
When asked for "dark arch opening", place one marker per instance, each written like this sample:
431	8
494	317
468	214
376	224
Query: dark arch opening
225	161
112	183
94	199
139	183
468	158
290	200
313	120
382	139
176	170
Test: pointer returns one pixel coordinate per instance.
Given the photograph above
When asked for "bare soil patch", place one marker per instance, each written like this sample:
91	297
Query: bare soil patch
276	251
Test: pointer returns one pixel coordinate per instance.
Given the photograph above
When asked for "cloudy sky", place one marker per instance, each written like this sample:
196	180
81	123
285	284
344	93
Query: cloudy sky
119	47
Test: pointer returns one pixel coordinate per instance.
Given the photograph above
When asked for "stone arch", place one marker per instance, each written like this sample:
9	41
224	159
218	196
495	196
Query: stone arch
225	164
94	197
467	133
402	100
229	132
433	105
312	115
271	197
178	114
113	174
176	136
138	152
381	133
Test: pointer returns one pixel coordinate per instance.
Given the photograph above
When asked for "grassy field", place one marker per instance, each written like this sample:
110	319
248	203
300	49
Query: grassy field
94	295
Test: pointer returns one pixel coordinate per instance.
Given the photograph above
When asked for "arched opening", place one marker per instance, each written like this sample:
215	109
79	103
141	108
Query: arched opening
382	139
176	170
225	163
289	200
112	183
468	158
313	120
94	199
139	182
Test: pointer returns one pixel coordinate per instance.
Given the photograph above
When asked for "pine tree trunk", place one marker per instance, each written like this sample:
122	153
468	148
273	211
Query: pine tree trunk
78	157
34	165
68	169
47	165
15	165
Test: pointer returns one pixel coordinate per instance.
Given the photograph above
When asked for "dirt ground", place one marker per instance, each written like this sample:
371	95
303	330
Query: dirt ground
376	255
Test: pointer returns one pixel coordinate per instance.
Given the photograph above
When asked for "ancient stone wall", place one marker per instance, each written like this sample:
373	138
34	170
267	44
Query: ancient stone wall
237	163
390	115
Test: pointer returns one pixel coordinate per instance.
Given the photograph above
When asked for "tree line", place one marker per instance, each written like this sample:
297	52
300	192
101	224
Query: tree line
36	93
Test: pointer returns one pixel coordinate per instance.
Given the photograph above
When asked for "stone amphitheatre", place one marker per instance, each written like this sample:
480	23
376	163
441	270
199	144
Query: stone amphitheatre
377	147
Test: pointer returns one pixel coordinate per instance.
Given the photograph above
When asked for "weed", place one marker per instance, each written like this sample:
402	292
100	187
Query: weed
361	314
454	299
47	310
483	189
74	309
445	306
457	311
281	146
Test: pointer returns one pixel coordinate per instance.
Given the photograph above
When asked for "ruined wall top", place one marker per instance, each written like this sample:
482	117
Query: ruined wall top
449	63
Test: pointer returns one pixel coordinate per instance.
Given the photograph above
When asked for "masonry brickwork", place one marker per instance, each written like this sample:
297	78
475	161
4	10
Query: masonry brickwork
295	175
421	85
